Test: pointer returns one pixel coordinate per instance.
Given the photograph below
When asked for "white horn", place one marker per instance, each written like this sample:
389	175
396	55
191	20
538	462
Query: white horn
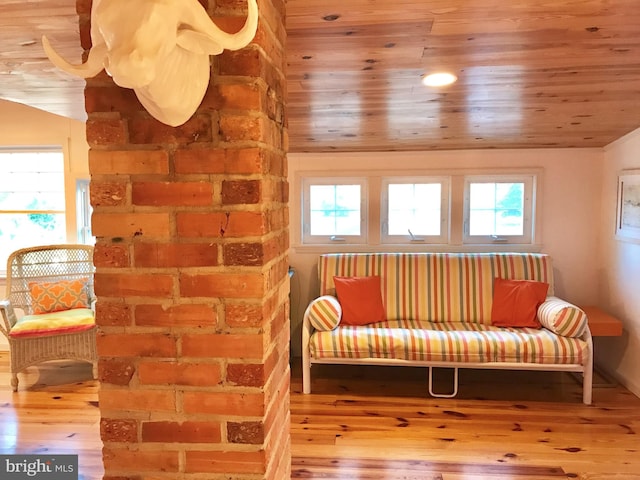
199	20
93	65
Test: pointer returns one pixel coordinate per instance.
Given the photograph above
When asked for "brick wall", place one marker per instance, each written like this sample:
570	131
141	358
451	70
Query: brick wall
192	234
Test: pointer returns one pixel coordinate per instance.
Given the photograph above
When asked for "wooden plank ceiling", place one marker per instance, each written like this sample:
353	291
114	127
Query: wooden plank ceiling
532	73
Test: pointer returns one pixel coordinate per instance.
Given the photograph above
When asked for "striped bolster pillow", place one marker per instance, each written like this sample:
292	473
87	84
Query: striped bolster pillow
324	313
562	317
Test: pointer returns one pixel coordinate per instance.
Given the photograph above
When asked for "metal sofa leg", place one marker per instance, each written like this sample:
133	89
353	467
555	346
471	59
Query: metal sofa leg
587	381
306	354
587	373
444	395
306	373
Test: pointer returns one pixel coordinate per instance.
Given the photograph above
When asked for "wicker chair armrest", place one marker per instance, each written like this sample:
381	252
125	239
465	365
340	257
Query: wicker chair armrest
8	317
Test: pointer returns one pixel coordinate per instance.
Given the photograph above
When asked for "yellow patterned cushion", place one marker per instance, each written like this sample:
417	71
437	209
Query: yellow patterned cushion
324	313
69	321
57	296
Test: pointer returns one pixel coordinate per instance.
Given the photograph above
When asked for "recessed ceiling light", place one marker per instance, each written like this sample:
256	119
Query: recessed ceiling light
439	79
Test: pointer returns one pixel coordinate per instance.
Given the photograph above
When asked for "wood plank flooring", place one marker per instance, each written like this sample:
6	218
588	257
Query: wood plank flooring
54	411
378	423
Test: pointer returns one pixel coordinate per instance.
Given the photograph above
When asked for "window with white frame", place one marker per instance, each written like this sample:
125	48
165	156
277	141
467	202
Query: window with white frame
32	198
334	210
415	209
499	209
83	212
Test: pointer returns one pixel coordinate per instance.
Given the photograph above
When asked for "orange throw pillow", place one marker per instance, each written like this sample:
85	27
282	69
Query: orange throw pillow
57	296
516	302
360	299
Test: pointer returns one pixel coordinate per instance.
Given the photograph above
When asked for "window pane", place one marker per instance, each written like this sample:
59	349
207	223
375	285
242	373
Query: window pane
415	208
83	212
26	230
482	222
322	224
349	224
496	209
32	200
322	196
33	181
334	209
483	196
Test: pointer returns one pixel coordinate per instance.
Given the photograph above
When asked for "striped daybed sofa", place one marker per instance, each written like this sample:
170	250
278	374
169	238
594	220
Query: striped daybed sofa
438	310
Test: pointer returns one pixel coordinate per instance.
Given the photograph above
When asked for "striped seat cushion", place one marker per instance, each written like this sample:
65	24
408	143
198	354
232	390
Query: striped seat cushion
447	342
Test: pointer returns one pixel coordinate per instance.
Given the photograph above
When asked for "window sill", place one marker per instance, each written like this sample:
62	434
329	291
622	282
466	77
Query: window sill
423	247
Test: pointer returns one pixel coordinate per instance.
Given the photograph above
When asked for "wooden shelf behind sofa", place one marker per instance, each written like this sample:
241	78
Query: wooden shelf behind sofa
601	323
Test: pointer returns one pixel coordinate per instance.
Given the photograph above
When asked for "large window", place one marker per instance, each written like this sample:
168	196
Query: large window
32	199
498	209
334	210
415	210
465	210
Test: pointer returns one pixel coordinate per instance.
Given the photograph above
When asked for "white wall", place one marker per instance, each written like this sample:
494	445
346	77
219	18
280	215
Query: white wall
22	125
570	189
619	270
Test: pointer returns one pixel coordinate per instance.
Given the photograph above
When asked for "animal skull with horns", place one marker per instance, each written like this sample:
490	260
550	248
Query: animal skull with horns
159	48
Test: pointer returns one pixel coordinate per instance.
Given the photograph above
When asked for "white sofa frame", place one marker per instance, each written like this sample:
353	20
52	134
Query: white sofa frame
586	370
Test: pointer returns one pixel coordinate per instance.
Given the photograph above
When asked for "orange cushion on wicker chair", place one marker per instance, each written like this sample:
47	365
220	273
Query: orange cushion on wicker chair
57	296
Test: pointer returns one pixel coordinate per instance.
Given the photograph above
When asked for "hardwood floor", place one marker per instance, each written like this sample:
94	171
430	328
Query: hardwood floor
54	411
378	423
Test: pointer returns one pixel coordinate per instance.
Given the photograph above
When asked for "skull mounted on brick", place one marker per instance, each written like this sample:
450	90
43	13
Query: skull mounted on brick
158	48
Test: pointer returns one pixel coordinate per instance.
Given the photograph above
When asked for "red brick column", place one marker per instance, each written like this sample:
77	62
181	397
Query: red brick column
192	234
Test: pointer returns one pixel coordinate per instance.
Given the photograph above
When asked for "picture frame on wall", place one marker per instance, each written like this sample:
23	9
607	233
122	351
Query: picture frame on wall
628	206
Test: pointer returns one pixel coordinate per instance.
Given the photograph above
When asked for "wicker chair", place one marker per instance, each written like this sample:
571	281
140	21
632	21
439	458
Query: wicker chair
52	264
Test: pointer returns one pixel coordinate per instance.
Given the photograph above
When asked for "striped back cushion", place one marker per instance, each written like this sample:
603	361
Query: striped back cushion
436	287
